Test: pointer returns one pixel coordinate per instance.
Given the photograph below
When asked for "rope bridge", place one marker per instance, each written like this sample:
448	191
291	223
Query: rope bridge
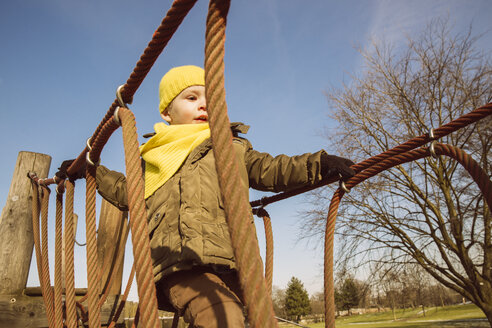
256	287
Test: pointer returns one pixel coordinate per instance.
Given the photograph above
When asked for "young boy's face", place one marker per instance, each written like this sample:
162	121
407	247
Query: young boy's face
189	107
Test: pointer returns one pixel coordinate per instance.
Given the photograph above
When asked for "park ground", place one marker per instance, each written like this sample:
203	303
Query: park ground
457	316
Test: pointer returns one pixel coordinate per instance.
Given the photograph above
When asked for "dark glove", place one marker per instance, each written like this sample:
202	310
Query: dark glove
332	165
62	171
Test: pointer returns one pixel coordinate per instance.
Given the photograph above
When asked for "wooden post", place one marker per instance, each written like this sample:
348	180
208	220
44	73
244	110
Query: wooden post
16	232
111	237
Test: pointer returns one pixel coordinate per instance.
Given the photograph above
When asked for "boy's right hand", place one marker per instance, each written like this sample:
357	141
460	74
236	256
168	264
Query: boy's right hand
332	165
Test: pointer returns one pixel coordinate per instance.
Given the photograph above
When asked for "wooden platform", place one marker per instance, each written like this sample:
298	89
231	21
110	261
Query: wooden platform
27	310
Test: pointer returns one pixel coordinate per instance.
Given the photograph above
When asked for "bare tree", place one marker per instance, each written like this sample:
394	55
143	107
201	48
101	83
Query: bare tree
427	212
416	280
278	298
317	306
390	283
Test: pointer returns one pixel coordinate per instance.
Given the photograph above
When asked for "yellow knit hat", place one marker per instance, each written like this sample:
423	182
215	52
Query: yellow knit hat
176	80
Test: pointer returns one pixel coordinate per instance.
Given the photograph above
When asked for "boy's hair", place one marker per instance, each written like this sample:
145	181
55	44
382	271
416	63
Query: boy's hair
176	80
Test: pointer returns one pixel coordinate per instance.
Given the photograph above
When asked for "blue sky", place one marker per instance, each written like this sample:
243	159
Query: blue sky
62	60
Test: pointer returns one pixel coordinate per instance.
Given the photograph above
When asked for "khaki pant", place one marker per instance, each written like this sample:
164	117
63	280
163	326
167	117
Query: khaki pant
204	298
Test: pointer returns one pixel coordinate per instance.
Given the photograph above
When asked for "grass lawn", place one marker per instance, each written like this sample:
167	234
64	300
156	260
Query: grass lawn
456	316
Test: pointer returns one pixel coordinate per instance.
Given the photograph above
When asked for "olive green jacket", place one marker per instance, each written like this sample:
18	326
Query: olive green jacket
186	218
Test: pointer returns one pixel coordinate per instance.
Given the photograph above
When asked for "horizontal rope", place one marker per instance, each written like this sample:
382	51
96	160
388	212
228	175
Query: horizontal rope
478	175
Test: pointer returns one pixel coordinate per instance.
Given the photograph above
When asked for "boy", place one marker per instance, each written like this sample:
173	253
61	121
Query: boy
193	260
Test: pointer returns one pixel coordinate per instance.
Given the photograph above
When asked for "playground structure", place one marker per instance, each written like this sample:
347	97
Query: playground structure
256	291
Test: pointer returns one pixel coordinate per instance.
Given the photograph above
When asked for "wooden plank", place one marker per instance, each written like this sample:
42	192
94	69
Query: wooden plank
111	237
16	232
21	311
37	291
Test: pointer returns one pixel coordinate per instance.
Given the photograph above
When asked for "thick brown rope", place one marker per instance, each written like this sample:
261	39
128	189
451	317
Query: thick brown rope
138	221
93	286
476	172
94	272
45	198
161	37
461	122
267	224
101	139
58	301
37	244
71	312
243	235
215	25
329	288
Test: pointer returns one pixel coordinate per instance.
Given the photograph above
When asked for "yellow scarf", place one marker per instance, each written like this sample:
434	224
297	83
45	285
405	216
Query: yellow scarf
167	150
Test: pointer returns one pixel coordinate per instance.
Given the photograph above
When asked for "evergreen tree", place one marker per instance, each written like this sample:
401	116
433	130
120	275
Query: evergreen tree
296	299
349	294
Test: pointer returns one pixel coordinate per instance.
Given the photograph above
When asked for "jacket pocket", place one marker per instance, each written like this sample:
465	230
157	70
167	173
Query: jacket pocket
216	241
156	219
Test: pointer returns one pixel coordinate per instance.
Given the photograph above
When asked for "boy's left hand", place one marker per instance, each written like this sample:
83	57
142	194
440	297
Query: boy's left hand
332	165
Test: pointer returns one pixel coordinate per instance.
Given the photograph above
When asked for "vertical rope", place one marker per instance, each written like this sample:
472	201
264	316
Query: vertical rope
35	225
37	246
71	312
44	255
92	263
238	212
138	222
267	223
329	288
58	301
478	175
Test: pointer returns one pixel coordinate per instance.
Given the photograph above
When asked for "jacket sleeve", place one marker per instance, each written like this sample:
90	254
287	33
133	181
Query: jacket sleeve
111	185
282	173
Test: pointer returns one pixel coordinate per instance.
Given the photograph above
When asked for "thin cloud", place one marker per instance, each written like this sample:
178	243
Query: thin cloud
279	40
392	21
